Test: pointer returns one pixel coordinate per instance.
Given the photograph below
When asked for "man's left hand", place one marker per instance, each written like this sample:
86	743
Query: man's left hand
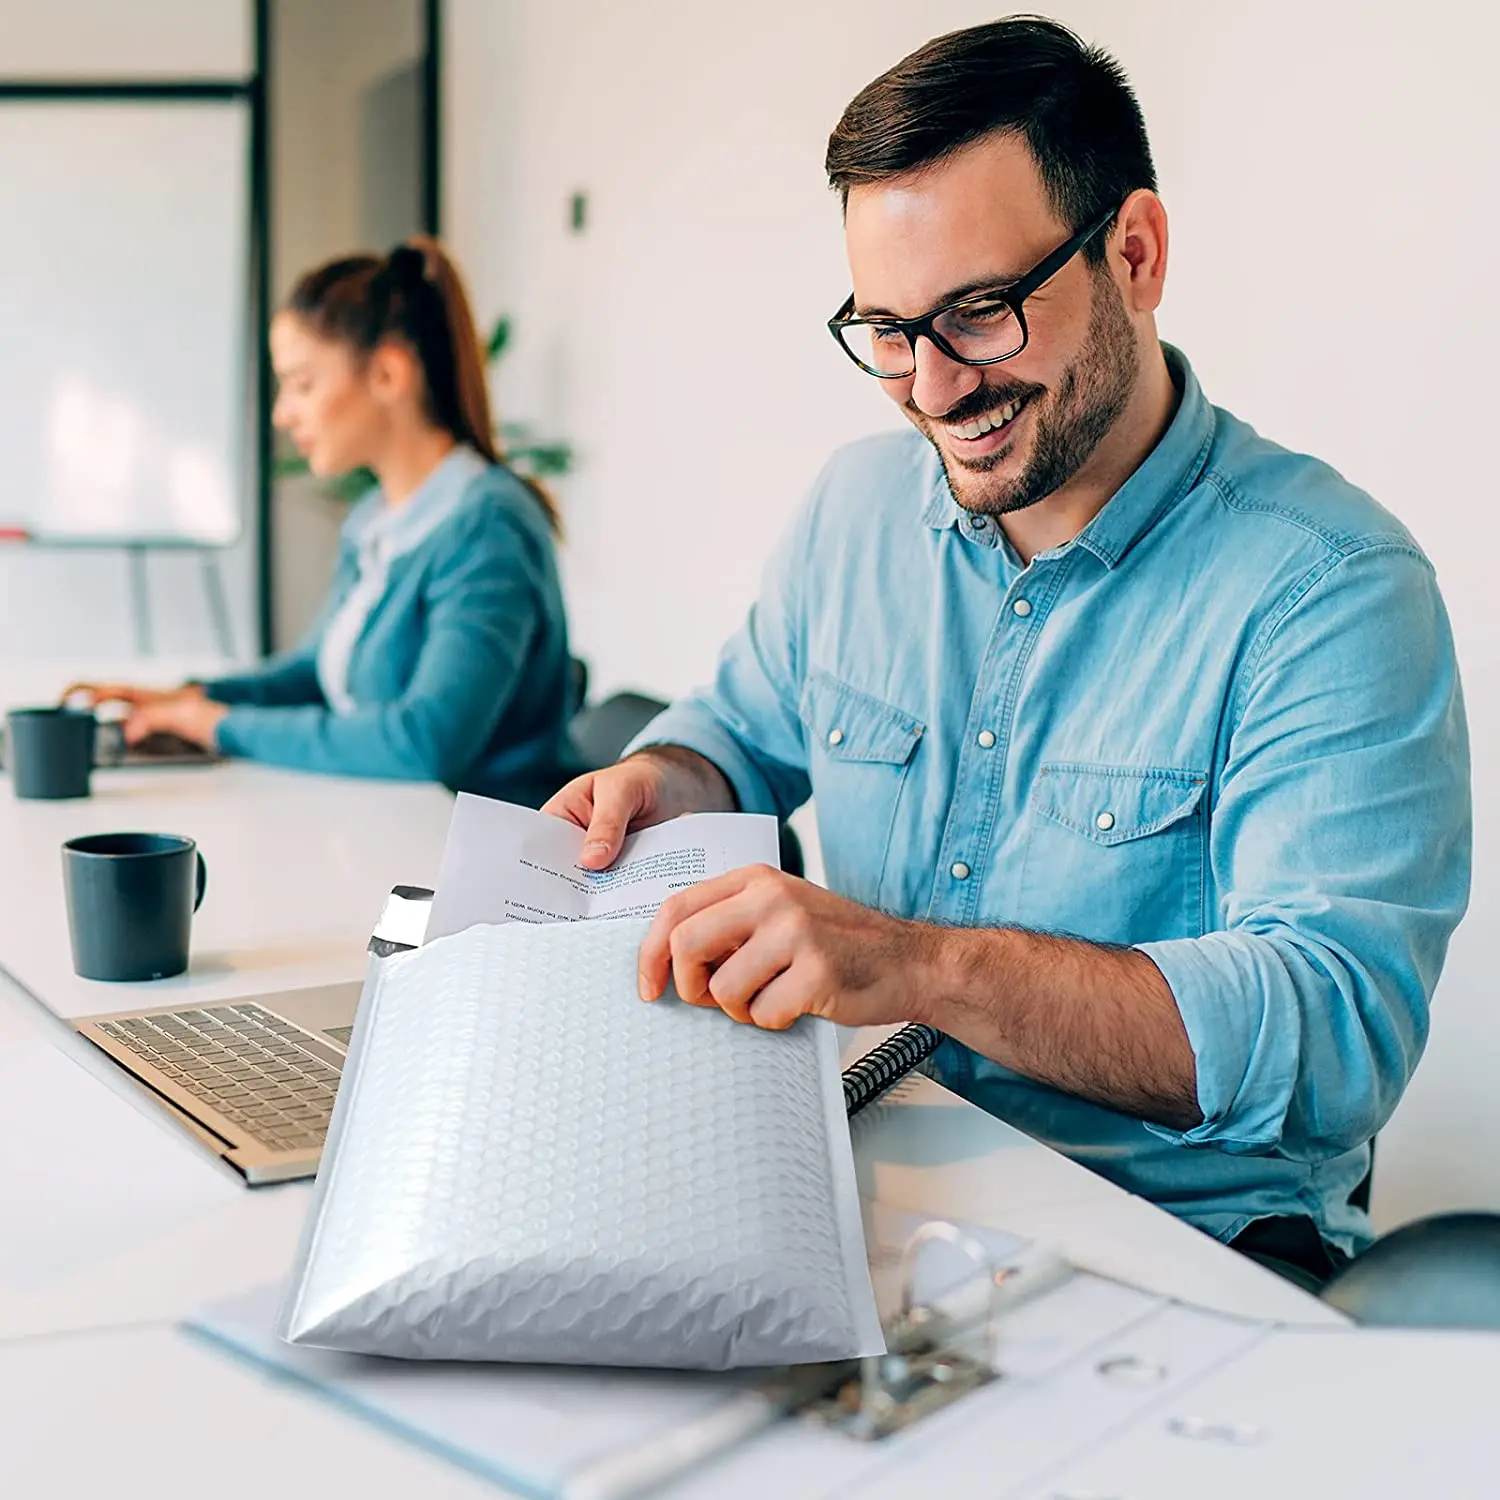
766	948
190	718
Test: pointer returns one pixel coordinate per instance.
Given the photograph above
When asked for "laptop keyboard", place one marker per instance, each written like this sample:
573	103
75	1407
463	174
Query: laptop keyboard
244	1062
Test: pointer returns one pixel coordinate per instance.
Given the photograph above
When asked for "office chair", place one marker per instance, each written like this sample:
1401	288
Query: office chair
578	684
1360	1197
601	731
1442	1272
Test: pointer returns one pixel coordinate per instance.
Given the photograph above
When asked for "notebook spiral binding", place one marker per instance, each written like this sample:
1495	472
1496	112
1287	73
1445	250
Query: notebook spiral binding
887	1064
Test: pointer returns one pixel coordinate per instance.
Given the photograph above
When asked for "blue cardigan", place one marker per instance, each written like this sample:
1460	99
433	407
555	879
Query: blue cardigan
460	675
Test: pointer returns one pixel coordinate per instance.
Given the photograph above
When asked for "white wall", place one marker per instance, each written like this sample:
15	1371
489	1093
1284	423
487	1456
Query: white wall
1329	170
325	55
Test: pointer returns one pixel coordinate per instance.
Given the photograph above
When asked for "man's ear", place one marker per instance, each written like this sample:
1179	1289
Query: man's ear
392	372
1138	247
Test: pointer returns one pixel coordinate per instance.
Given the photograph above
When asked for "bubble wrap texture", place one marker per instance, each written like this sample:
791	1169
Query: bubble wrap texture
527	1163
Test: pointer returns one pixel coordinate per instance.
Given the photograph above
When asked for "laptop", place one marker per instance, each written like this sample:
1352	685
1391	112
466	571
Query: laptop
160	749
254	1079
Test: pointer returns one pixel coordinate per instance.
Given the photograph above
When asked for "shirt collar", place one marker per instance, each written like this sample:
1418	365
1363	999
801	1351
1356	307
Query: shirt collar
1166	474
392	530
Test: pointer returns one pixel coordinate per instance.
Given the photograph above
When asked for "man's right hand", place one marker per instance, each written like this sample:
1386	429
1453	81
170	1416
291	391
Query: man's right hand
650	787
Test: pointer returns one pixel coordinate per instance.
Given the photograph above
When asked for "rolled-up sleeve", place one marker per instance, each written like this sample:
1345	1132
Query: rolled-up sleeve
747	722
1340	844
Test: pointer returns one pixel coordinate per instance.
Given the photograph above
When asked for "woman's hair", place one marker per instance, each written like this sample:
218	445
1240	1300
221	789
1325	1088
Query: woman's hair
416	297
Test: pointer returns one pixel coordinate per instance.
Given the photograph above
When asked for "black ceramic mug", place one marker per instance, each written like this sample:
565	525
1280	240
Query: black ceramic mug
50	751
131	899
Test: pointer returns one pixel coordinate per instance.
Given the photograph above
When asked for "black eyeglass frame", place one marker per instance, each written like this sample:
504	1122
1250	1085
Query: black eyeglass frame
1013	296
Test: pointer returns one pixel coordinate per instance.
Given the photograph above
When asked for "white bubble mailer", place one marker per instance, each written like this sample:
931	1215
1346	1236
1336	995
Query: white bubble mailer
527	1163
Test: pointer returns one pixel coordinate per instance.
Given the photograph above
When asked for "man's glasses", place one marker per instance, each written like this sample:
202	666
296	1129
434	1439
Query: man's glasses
980	329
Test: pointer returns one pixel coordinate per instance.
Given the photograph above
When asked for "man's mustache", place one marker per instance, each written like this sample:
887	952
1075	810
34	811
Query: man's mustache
979	402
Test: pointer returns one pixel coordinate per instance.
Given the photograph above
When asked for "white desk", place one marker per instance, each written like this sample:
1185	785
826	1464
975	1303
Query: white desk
95	1382
297	869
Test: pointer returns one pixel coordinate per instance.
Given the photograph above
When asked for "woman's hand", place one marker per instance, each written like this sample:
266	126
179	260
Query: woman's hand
96	693
190	716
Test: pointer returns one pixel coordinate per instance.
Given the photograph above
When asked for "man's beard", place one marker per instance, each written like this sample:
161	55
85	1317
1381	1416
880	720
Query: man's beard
1069	424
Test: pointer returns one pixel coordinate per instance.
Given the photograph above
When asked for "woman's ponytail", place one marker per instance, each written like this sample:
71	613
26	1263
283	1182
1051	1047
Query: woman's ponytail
415	294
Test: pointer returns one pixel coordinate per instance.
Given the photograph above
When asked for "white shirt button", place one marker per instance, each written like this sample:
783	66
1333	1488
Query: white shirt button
959	870
986	739
1022	607
1104	822
835	736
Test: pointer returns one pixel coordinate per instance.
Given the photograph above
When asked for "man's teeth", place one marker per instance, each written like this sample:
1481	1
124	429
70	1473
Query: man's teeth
988	422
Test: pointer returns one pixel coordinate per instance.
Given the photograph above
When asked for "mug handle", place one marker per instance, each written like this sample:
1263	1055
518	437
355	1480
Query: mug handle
202	881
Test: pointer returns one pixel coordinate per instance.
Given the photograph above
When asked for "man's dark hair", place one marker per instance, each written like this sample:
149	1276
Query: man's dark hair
1026	75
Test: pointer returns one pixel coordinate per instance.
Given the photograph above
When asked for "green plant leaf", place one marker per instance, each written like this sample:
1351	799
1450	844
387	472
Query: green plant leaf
544	460
354	485
498	340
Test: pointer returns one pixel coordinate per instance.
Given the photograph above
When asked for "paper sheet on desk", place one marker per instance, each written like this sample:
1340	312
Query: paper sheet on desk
1381	1413
504	863
83	1174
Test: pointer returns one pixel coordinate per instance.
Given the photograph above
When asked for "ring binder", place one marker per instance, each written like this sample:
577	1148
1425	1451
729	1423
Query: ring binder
934	1354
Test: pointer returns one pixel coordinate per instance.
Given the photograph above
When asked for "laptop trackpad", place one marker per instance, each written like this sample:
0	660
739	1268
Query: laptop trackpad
326	1009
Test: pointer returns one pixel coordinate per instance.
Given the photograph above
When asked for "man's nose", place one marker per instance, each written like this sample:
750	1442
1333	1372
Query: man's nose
939	383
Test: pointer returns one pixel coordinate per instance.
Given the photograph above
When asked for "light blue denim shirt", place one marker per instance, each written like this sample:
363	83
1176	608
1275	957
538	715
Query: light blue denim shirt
1223	724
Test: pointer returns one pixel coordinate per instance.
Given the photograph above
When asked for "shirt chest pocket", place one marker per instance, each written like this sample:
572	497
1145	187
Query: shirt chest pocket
860	751
1114	853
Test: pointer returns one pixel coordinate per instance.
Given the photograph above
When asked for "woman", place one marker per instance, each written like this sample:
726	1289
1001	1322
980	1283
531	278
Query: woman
441	652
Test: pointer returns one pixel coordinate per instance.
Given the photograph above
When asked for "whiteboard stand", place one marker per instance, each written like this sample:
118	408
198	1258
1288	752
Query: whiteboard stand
213	598
137	555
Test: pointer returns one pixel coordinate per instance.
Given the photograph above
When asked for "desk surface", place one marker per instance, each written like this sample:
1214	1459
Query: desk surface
94	1379
298	867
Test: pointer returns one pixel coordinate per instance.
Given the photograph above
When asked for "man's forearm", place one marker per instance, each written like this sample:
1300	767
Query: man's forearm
690	782
1097	1022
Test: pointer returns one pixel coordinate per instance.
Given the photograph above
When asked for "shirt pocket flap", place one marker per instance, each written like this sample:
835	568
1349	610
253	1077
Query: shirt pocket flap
848	725
1113	804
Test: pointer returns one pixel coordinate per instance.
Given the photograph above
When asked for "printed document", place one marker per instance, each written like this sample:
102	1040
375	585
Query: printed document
505	863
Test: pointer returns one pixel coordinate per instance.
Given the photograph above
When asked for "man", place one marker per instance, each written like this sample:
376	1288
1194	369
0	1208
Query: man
1136	741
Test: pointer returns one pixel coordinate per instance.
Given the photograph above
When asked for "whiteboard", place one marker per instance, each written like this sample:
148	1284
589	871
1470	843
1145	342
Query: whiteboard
124	319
